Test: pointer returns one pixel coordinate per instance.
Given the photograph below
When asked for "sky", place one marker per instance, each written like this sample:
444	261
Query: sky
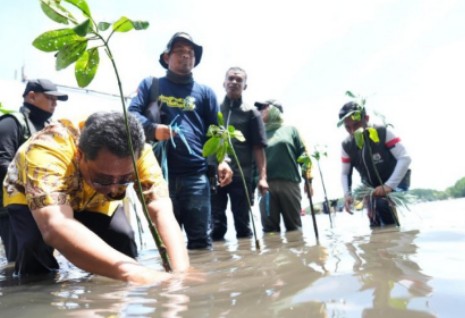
406	57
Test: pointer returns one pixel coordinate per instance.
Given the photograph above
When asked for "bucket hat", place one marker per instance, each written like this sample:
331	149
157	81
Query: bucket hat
186	37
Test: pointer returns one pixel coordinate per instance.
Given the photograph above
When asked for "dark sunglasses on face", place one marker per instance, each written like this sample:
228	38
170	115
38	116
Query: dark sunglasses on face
105	183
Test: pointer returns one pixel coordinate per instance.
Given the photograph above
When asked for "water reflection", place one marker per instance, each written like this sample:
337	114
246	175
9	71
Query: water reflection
383	263
352	272
261	283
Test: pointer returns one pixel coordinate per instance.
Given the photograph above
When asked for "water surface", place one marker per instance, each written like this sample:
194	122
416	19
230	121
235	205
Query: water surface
412	271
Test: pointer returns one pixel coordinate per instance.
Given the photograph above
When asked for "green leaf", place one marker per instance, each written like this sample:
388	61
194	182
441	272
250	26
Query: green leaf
70	54
221	154
83	28
373	134
140	25
316	155
103	26
305	161
4	110
55	40
213	130
350	94
238	135
81	5
211	146
231	129
123	25
56	12
220	119
86	67
358	136
229	148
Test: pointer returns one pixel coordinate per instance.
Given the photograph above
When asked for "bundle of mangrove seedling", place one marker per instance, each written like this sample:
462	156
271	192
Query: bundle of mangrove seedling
399	198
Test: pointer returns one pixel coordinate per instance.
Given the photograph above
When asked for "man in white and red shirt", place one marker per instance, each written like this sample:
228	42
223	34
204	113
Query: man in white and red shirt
383	163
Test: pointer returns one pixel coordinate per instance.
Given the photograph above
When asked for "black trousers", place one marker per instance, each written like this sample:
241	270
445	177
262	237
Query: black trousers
383	213
36	257
8	237
239	209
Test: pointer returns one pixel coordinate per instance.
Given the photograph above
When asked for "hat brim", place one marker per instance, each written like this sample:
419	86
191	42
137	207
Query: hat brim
341	121
60	96
198	50
260	105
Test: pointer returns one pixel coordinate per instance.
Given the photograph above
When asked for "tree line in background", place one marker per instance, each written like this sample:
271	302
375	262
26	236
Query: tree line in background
453	192
420	195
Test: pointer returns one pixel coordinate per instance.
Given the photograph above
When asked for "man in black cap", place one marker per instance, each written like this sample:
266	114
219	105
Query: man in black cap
40	101
380	158
178	111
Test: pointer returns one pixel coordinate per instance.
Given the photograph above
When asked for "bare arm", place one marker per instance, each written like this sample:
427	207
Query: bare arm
345	177
260	159
161	213
87	250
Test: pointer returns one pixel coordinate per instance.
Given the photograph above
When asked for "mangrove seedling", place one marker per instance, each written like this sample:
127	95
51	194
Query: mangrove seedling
306	166
220	145
80	43
320	151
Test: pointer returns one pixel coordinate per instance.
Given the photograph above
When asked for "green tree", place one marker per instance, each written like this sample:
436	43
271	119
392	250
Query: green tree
457	190
422	195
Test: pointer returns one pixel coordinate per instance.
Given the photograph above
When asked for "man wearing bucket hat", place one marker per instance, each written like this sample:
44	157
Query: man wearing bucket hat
39	103
177	109
382	162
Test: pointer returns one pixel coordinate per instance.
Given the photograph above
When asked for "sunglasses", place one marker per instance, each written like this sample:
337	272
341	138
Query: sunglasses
104	182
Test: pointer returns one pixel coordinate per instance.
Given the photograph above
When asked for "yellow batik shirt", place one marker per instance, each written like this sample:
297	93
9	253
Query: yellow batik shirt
45	172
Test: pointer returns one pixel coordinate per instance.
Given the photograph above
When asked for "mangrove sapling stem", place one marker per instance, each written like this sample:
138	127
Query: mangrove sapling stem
71	48
324	191
380	181
246	190
308	185
219	144
156	237
306	164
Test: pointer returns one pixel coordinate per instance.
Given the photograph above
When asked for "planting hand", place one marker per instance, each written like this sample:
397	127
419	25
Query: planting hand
382	191
225	174
348	203
163	132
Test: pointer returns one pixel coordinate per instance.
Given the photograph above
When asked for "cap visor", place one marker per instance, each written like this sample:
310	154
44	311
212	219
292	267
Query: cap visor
60	96
341	121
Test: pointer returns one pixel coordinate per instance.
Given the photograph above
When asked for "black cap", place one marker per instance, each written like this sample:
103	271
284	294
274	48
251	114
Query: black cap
44	86
268	102
348	109
186	37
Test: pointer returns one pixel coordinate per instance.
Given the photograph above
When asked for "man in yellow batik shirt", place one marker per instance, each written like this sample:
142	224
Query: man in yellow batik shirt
64	189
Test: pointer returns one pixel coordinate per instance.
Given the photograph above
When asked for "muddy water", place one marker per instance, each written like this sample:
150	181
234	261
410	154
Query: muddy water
412	271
